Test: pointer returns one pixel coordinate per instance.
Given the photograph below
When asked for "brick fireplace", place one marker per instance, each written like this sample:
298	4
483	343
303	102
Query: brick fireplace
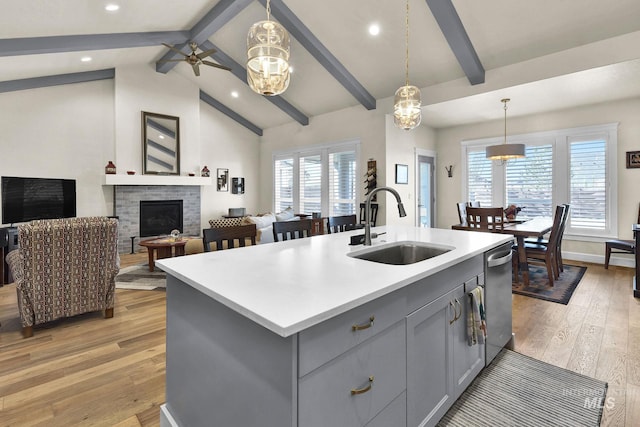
127	208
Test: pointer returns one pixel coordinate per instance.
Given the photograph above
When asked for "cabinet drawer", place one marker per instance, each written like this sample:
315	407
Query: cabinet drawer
321	343
393	415
324	395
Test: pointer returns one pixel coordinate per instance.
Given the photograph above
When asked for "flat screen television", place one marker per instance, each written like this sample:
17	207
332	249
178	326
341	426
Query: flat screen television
26	199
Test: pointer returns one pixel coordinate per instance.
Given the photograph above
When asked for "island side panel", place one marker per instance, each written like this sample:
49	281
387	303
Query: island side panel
222	368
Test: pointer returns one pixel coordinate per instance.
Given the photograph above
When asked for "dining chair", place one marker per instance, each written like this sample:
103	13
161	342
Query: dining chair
286	230
485	219
230	235
541	241
374	213
620	246
338	224
546	253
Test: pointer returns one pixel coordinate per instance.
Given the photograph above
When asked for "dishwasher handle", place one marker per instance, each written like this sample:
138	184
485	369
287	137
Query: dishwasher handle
492	261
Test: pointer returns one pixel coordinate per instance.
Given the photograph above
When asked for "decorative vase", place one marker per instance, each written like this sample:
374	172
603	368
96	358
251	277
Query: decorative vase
205	172
110	169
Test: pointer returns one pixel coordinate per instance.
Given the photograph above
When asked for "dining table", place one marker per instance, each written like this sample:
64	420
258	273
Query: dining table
520	229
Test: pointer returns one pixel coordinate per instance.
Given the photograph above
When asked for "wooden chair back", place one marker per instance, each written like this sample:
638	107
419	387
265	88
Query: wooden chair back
285	230
374	213
338	224
485	219
556	229
219	235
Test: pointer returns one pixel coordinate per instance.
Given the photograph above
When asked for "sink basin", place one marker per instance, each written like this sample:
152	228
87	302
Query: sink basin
402	253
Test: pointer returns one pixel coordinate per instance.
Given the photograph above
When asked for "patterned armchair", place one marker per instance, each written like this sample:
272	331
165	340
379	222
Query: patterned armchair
64	267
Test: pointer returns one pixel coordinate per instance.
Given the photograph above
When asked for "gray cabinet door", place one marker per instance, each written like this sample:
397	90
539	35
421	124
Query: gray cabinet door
468	360
430	385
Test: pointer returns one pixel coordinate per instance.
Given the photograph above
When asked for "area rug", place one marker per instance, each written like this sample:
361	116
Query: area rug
539	284
139	277
516	390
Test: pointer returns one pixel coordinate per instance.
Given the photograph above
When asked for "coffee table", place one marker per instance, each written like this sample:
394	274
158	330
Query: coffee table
164	247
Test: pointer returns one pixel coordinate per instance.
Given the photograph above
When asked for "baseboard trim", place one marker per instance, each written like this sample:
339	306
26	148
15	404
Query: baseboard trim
166	420
599	259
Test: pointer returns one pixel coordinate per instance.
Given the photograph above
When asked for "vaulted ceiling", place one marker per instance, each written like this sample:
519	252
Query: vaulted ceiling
465	55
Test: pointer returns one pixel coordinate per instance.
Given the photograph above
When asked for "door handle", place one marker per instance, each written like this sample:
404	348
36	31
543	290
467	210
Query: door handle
492	261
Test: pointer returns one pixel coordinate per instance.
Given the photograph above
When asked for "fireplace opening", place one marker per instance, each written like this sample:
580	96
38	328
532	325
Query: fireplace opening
159	217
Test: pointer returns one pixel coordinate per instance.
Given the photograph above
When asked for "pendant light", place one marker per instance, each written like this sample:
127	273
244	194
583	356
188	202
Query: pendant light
505	151
407	112
268	49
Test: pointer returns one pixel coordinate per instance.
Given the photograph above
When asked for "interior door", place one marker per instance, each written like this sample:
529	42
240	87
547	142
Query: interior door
426	191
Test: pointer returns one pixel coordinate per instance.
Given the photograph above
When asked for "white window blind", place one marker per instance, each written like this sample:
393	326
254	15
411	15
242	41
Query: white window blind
529	182
588	195
342	183
283	190
317	179
571	166
310	183
479	182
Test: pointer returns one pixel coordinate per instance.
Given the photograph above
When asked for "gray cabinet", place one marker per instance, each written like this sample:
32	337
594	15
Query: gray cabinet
440	363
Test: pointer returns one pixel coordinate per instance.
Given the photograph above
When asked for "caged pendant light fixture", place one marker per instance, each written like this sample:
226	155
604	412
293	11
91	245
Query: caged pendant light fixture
268	48
407	112
504	151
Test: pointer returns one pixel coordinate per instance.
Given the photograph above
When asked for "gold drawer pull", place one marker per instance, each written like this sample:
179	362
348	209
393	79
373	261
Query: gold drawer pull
365	326
355	391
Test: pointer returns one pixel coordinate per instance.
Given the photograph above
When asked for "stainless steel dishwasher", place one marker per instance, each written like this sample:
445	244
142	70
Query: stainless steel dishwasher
497	298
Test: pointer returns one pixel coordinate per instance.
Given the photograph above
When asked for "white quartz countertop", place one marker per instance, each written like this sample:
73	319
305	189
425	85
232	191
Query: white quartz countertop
289	286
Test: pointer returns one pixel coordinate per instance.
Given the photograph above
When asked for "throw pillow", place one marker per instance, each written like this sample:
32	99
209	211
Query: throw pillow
225	222
263	221
284	215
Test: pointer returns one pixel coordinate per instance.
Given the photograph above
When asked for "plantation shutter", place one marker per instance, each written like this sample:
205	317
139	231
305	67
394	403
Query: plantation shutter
529	182
479	181
588	195
283	183
342	183
311	183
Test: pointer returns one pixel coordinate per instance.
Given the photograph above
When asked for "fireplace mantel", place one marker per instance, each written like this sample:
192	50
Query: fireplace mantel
122	179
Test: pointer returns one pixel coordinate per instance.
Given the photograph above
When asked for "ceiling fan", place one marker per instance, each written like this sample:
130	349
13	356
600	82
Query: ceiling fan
195	59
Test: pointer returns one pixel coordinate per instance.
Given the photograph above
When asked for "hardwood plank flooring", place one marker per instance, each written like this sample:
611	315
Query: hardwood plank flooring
91	371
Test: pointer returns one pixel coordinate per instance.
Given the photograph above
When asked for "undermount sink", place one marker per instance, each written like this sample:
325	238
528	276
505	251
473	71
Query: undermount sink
402	253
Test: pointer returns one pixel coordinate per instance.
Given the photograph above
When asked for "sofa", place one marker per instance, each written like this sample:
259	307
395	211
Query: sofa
264	223
64	267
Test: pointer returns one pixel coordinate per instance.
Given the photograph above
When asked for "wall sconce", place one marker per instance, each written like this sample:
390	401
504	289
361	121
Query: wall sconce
449	171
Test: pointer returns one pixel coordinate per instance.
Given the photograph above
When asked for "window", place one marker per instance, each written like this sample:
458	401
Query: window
283	187
575	166
529	182
319	179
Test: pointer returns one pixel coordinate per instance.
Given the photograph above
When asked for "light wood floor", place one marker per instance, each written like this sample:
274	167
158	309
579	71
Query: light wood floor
110	372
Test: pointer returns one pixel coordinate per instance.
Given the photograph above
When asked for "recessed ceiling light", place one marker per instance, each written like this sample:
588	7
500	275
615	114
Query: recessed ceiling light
85	59
234	94
374	29
111	7
161	136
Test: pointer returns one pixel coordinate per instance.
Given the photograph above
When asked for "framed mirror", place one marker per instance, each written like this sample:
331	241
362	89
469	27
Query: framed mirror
160	144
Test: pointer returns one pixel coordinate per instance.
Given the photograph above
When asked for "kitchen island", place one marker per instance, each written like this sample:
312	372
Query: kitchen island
300	333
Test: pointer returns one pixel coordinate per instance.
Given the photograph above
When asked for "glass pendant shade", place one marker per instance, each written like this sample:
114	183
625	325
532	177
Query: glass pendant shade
268	48
407	112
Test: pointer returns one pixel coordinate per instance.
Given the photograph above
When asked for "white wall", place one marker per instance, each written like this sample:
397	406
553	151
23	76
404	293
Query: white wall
72	131
228	145
61	132
400	149
141	88
626	112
